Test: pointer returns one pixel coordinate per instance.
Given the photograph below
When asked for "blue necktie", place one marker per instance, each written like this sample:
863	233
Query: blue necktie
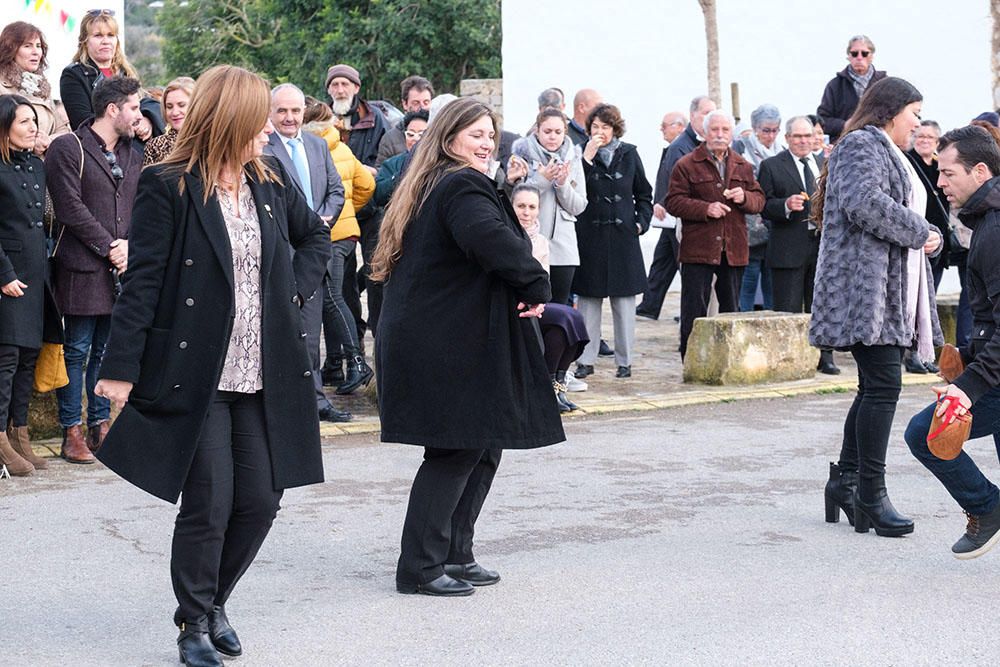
301	166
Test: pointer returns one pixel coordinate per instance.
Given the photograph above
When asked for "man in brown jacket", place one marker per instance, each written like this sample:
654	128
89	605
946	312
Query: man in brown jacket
711	190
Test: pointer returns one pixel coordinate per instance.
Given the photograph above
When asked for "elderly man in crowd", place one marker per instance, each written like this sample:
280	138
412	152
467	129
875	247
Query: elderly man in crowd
664	266
307	159
842	93
711	191
416	95
583	103
789	181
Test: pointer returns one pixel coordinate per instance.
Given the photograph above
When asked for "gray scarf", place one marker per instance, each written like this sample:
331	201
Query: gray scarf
605	153
861	81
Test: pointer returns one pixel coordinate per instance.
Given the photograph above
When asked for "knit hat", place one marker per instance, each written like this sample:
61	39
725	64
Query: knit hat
345	71
991	117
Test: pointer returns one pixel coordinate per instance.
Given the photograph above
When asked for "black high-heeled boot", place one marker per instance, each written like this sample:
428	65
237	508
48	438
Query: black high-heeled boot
873	509
358	373
839	494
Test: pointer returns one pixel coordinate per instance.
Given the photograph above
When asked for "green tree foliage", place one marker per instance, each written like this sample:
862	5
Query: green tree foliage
297	40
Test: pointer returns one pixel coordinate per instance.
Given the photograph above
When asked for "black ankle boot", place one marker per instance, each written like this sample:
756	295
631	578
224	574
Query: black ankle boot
839	494
873	509
224	638
195	647
333	371
358	373
559	384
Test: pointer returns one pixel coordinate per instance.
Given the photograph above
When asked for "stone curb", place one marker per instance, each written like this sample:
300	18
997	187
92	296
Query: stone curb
707	395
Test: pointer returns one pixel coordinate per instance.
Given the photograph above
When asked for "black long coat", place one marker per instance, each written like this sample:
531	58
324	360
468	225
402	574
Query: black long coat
170	329
619	208
457	368
22	248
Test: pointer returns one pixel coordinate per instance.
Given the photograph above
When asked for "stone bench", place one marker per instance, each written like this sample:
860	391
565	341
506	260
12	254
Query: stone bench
750	348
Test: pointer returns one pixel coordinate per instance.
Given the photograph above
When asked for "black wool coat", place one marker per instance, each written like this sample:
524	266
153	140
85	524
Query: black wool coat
22	248
619	208
171	325
839	101
457	368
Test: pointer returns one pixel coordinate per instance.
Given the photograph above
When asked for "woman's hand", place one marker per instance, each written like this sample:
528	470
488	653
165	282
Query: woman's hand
550	171
14	288
144	130
517	169
42	141
932	242
562	175
590	149
964	403
530	310
116	391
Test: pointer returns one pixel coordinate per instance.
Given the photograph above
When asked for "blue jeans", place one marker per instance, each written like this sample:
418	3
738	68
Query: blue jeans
86	336
961	476
755	271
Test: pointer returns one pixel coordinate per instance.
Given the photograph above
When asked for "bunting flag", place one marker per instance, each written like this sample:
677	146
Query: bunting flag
44	7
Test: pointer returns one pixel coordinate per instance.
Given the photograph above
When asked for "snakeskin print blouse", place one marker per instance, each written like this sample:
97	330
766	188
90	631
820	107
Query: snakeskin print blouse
242	370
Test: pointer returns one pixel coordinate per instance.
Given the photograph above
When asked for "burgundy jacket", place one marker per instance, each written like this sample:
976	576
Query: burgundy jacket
694	184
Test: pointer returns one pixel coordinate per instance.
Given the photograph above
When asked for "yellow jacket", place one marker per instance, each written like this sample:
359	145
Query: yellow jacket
359	184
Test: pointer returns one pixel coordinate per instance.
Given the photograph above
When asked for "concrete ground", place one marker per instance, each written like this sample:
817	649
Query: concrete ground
684	536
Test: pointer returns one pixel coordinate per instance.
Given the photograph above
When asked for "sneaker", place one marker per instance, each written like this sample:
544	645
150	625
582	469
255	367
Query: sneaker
981	534
573	383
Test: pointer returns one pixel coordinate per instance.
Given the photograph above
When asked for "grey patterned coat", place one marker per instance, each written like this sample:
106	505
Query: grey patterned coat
867	229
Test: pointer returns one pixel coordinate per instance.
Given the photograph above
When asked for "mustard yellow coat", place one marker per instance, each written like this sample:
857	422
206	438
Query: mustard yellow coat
359	184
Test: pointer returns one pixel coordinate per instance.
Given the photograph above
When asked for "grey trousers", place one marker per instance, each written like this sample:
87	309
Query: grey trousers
623	318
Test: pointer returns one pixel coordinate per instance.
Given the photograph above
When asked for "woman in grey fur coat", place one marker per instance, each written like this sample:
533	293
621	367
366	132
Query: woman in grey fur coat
874	291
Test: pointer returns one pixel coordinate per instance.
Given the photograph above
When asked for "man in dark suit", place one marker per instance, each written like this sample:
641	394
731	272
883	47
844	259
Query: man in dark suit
789	181
307	158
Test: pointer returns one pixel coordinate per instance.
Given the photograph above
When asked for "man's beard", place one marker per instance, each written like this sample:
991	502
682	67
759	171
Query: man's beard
341	107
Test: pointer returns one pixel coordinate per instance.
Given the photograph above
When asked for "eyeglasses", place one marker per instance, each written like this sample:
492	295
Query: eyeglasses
863	54
116	169
769	130
99	12
413	134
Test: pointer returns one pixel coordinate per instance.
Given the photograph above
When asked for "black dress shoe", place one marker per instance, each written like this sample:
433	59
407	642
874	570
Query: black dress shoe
639	312
472	573
223	636
583	370
195	648
624	372
604	350
443	586
332	414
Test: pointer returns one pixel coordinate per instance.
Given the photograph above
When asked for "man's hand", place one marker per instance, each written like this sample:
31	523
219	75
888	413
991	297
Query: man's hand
659	212
116	391
119	254
964	403
718	210
13	289
735	195
796	203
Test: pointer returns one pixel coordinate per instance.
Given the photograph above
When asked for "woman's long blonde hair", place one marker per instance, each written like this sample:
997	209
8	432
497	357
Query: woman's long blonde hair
432	159
228	108
119	63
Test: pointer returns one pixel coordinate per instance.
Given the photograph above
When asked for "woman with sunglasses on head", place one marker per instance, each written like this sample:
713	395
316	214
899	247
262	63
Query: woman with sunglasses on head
840	98
206	357
22	278
874	293
99	55
175	100
23	60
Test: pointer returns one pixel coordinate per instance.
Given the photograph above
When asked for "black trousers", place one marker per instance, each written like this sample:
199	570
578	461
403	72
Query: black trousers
227	505
661	273
369	240
17	375
869	421
696	289
447	494
561	278
792	289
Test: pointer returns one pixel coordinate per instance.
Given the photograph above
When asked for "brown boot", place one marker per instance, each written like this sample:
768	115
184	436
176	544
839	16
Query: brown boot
16	465
18	436
74	447
96	435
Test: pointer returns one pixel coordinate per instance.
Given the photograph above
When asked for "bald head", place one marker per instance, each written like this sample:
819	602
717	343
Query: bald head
672	125
583	103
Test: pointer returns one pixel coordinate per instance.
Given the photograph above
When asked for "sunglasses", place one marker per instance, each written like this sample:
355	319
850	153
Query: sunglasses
99	12
116	169
863	54
413	134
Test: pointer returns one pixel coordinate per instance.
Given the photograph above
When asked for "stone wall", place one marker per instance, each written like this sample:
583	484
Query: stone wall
487	91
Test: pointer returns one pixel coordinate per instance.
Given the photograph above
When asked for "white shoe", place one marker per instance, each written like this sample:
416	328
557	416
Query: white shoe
573	383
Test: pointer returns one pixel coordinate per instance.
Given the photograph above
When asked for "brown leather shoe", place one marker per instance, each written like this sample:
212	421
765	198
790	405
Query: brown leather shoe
16	465
96	435
18	436
74	447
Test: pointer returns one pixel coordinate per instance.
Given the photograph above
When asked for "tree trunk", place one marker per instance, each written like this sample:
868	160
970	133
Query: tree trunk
995	58
712	50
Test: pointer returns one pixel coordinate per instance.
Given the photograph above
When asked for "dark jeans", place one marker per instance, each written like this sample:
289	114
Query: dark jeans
961	476
85	338
869	421
227	506
447	495
561	278
339	327
696	288
661	273
756	272
17	374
